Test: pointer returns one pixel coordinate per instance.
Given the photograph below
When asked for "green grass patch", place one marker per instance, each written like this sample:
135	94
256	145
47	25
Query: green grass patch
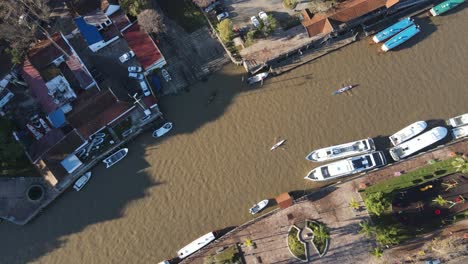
291	4
296	247
185	13
230	255
419	176
321	235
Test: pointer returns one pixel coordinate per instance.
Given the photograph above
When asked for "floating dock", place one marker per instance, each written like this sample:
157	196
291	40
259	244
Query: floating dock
393	30
445	6
401	37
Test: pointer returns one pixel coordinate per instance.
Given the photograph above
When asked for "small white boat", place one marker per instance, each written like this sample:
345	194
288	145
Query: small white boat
457	121
347	167
416	144
344	89
116	157
408	132
342	151
258	207
80	183
257	78
278	144
196	245
162	130
460	132
99	135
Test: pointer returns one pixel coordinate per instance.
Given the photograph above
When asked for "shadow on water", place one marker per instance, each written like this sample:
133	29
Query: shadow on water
427	28
103	199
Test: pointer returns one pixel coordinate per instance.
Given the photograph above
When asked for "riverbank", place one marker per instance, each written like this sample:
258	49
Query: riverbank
330	206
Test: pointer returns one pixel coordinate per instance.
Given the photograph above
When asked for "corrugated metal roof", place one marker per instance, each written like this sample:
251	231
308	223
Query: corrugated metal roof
89	32
144	47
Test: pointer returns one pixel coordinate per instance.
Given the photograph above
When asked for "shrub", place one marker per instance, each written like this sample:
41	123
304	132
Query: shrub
376	203
225	30
296	247
291	4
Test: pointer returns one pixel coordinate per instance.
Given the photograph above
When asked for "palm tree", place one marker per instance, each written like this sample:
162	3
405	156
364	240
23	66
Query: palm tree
460	164
353	204
366	228
440	200
377	252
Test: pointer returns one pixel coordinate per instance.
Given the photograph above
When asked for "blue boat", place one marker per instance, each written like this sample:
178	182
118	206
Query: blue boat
401	37
393	30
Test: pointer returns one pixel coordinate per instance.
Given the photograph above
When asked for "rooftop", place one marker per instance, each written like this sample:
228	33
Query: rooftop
89	32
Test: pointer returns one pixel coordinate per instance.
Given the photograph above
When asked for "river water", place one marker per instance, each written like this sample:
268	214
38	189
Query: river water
217	161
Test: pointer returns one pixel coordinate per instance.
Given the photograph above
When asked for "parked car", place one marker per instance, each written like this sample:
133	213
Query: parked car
144	88
135	75
255	21
134	69
166	75
263	16
222	16
127	56
211	7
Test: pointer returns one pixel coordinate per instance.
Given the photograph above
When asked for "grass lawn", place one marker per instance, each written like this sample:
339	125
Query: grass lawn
21	167
296	247
419	176
227	256
184	12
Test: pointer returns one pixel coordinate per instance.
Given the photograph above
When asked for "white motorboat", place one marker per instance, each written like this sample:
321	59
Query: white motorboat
408	132
196	245
460	132
116	157
162	130
342	151
257	78
414	145
347	167
80	183
258	207
278	144
457	121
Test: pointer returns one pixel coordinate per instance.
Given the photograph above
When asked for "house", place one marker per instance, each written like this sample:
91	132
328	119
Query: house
56	75
146	51
347	14
109	7
97	29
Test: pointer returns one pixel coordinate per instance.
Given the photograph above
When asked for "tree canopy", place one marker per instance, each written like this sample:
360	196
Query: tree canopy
376	203
225	30
134	7
203	3
151	21
10	150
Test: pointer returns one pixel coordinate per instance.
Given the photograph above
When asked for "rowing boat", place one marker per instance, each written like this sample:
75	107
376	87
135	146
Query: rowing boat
279	143
344	89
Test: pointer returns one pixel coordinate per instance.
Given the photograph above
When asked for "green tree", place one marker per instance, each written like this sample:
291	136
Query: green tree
366	228
10	150
440	200
271	25
388	235
377	252
17	55
225	30
376	203
290	3
460	164
353	204
133	7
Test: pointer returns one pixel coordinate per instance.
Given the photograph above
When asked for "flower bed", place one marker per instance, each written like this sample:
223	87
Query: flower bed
321	236
296	247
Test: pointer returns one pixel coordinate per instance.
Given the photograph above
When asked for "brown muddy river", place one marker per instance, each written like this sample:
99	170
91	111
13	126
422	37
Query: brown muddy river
217	162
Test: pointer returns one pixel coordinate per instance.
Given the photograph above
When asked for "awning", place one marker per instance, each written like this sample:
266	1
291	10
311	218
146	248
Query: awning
71	163
57	118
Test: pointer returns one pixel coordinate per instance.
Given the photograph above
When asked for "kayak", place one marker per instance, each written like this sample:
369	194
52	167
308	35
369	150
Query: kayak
344	89
279	143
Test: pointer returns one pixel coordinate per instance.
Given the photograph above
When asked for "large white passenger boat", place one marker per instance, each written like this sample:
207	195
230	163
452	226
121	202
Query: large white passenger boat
457	121
347	167
196	245
408	132
342	151
460	132
414	145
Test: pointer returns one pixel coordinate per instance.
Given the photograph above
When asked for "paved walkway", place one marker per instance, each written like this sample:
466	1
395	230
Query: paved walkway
329	206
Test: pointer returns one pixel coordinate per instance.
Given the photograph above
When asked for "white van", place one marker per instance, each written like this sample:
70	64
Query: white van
144	88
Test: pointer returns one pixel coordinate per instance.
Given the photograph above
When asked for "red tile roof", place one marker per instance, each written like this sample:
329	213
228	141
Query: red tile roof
97	112
83	78
120	20
38	87
144	47
44	52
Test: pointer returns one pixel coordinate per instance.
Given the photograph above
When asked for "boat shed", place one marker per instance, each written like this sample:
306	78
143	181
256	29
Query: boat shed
284	200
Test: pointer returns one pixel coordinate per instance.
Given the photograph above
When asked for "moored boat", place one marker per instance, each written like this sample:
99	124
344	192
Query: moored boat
416	144
408	132
116	157
457	121
347	167
196	245
393	30
460	132
342	151
401	37
344	89
257	78
162	130
81	182
258	207
444	7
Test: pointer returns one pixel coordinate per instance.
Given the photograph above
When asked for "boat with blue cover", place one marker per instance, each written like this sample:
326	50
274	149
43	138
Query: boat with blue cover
401	37
393	30
445	6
